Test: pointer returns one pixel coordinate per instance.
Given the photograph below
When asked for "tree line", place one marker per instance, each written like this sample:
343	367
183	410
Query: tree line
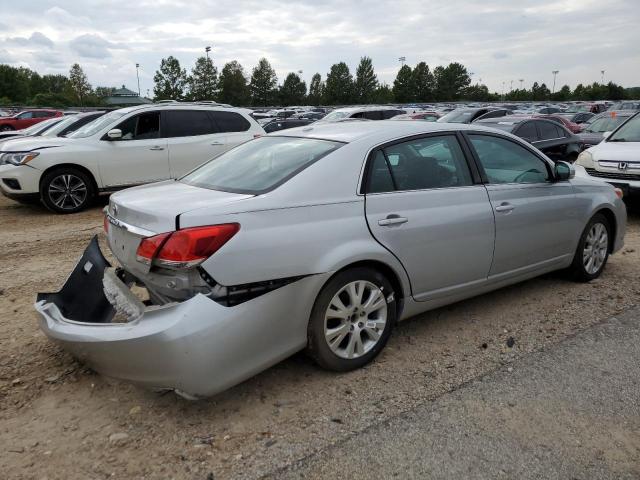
233	85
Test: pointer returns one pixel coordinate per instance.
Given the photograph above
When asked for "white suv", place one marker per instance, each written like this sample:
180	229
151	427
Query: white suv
126	147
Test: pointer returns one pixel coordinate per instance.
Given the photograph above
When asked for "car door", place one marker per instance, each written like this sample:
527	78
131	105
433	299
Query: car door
551	140
139	156
193	139
535	216
24	120
423	205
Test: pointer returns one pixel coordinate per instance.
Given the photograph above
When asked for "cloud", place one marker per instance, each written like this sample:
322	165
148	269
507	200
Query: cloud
36	39
500	55
92	46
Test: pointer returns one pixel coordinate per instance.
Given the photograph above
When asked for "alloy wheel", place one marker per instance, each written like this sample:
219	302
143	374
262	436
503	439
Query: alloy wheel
596	247
355	319
67	191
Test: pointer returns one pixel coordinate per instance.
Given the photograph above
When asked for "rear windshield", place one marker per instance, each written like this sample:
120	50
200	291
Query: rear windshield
629	132
260	165
457	116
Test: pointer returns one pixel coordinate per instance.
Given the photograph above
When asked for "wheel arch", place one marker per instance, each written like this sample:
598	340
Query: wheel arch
75	166
613	224
386	270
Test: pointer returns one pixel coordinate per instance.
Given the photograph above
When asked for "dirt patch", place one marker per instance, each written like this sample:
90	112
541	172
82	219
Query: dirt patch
58	420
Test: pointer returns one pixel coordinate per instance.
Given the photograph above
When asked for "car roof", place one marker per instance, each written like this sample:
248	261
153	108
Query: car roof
365	109
181	106
382	130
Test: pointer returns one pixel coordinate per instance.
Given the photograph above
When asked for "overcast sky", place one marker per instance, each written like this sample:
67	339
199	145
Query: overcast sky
499	40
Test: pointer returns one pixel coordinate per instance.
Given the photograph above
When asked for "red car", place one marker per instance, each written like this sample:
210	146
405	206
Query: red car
26	118
573	127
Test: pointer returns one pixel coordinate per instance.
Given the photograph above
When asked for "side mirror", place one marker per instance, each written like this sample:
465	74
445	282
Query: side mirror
114	134
564	171
606	135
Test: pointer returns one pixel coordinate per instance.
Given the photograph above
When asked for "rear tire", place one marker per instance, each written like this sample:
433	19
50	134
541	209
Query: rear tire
593	250
351	320
67	190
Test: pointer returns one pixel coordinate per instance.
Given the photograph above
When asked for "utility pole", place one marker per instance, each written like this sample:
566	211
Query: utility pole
402	60
503	83
555	72
138	75
511	86
602	73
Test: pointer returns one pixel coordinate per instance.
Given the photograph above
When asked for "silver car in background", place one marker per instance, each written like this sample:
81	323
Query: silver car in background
321	238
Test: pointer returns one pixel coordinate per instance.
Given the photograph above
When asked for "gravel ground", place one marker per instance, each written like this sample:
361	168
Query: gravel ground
59	420
568	412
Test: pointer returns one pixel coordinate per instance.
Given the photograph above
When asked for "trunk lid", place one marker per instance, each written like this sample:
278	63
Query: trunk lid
155	207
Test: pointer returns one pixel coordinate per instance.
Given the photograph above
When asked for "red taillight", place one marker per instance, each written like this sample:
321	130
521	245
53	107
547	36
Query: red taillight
185	248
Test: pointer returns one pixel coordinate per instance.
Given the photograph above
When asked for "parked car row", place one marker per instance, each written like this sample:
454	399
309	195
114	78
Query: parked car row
27	118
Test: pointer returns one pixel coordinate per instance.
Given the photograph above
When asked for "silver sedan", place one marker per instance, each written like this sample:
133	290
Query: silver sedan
321	238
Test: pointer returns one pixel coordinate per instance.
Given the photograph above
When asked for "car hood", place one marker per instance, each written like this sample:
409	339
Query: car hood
157	206
620	151
590	138
28	144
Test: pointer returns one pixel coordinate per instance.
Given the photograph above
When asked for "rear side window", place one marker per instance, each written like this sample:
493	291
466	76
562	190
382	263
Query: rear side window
25	115
528	131
424	163
187	123
548	131
230	122
260	165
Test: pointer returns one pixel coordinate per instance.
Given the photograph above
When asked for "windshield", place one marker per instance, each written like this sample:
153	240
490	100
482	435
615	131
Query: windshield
577	109
605	124
457	116
334	116
260	165
59	126
94	127
629	132
40	126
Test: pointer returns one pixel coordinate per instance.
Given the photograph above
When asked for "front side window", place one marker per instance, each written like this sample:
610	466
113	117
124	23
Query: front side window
260	165
187	123
92	128
141	127
431	162
528	131
25	116
548	131
505	161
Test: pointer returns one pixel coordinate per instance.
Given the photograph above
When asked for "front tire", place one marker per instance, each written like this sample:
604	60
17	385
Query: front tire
351	320
6	128
593	250
67	190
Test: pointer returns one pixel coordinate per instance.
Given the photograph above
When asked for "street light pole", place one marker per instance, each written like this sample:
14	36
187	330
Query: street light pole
138	76
207	50
555	72
602	73
402	60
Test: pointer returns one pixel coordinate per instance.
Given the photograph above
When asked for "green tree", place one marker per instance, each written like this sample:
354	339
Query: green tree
451	81
540	92
578	92
477	93
383	94
366	81
316	88
423	83
403	85
338	88
203	81
563	94
263	84
102	92
233	88
293	90
79	83
53	84
12	84
170	80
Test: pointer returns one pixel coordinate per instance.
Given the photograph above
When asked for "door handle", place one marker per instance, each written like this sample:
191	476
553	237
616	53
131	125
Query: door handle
504	207
392	220
217	143
157	147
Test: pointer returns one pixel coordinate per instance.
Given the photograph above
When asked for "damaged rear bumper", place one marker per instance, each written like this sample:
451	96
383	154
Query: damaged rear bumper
197	347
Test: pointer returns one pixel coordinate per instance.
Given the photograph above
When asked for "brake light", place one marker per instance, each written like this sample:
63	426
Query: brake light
619	192
185	248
